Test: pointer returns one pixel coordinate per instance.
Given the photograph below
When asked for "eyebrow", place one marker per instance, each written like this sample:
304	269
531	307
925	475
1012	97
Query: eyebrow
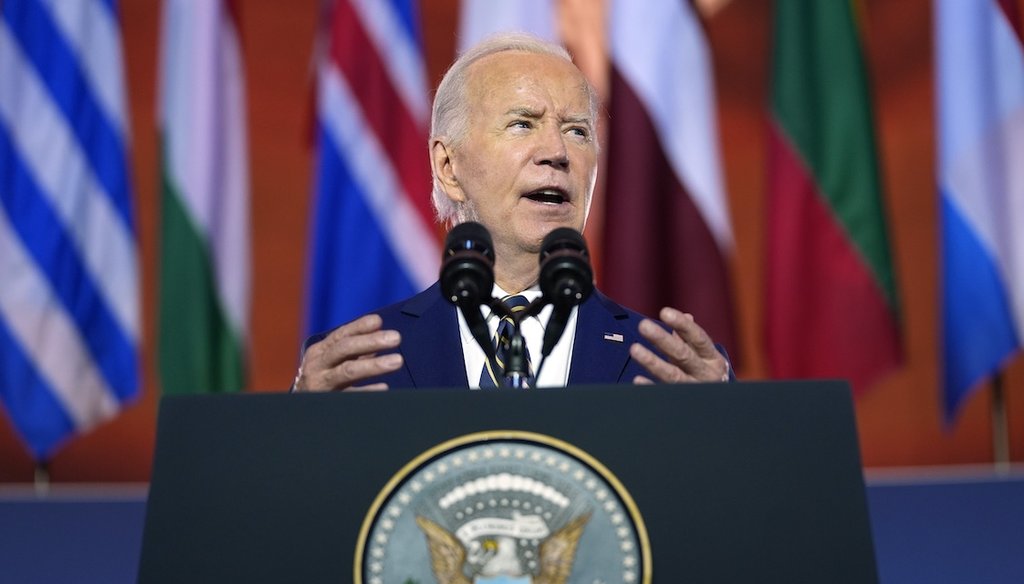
578	119
527	112
524	112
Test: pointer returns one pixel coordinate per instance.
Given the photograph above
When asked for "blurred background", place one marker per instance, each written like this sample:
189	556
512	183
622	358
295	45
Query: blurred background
900	412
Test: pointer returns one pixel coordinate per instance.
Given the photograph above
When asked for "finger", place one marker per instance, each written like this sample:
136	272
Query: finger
675	349
324	364
658	367
312	377
362	325
680	350
353	371
300	384
641	380
668	342
370	387
338	350
690	331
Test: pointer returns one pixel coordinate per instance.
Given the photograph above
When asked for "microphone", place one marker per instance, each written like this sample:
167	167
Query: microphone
467	268
467	277
566	279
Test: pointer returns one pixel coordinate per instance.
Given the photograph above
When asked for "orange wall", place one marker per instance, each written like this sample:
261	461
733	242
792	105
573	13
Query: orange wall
899	420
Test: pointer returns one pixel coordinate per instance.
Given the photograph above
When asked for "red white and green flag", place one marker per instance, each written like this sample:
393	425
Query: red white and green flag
831	306
204	281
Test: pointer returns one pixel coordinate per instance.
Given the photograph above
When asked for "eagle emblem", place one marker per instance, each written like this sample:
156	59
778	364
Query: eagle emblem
498	556
504	507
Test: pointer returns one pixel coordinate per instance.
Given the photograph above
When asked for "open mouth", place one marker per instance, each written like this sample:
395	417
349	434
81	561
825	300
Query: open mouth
550	196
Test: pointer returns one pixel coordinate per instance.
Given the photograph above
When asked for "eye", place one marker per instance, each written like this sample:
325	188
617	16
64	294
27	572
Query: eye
522	124
580	131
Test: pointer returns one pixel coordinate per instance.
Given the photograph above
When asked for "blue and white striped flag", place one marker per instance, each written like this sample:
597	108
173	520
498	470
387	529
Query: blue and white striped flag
373	232
980	87
69	294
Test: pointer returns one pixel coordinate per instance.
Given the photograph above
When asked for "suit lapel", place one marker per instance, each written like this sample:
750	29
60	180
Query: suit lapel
431	345
601	349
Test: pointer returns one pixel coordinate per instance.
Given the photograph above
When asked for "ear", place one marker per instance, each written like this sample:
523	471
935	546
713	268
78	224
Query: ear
443	165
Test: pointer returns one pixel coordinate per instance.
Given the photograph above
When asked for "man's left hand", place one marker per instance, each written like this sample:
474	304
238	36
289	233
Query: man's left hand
689	353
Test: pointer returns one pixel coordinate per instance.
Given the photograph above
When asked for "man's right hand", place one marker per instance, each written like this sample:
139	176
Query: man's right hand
349	355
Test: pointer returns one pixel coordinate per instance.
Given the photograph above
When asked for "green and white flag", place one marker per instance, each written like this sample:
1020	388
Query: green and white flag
204	280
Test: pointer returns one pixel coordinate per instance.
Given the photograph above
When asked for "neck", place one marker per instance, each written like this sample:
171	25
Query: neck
515	272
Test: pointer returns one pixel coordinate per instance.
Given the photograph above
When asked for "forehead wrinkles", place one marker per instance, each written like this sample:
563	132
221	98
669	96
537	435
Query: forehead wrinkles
526	81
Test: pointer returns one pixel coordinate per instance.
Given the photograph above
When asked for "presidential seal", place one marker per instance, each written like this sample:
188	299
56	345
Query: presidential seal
503	508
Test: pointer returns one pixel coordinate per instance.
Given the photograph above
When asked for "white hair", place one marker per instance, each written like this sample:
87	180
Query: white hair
450	116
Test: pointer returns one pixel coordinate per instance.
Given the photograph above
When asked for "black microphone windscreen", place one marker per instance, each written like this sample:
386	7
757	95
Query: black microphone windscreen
565	273
566	279
563	237
467	267
469	235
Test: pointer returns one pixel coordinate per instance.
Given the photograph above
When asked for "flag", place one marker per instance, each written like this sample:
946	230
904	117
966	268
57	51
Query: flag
980	91
668	237
479	19
204	243
69	286
831	304
373	239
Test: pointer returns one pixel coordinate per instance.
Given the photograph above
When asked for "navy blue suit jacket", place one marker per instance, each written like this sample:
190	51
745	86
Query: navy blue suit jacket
432	347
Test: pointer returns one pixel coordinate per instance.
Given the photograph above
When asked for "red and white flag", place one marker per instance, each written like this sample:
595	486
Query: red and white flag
667	236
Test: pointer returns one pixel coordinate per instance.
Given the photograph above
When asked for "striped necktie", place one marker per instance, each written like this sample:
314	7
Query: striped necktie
502	338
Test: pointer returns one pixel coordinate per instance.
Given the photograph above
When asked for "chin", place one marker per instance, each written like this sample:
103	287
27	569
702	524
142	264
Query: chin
530	233
536	237
577	225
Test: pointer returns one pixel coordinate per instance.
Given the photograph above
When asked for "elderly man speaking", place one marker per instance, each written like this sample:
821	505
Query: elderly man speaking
513	147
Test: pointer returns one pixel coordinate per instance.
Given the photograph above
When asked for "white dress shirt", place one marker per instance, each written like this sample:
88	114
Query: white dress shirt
556	367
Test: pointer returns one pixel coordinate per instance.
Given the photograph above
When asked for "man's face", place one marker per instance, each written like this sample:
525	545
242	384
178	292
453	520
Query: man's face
528	162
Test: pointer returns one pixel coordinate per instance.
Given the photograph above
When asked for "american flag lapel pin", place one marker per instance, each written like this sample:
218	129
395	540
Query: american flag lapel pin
618	338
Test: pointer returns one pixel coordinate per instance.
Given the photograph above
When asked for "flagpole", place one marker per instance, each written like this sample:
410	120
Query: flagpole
1000	426
41	478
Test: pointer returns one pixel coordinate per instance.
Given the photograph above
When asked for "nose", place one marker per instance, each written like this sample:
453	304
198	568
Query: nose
551	150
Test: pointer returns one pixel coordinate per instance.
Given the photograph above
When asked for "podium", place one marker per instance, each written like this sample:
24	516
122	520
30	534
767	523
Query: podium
738	482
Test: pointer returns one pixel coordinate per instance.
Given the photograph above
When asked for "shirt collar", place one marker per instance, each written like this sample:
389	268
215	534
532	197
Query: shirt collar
532	293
